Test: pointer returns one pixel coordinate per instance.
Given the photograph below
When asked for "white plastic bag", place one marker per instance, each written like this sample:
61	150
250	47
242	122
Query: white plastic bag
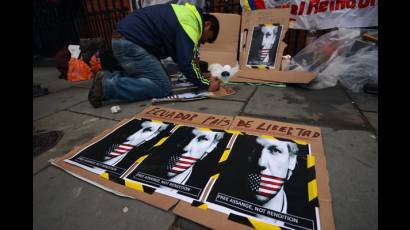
353	72
315	56
339	55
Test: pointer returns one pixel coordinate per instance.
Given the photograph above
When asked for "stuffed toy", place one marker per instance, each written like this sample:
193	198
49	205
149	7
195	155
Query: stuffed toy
223	72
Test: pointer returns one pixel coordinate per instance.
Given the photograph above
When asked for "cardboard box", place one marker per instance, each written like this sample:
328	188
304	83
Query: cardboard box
225	49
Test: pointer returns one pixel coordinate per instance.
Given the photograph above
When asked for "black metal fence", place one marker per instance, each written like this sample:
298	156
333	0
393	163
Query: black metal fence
223	6
59	23
100	17
55	24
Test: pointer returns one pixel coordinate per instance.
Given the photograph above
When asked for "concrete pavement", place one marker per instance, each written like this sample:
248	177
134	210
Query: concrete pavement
348	122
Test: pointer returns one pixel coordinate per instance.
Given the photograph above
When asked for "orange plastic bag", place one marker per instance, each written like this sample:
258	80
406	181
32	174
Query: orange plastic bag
78	70
95	64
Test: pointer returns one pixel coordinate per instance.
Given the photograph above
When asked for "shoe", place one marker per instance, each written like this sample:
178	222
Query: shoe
95	95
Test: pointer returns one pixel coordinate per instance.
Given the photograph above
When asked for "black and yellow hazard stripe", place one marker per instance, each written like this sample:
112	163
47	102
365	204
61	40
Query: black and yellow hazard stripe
113	178
224	156
199	204
261	67
227	151
311	175
270	24
240	219
233	131
127	183
312	183
139	187
160	142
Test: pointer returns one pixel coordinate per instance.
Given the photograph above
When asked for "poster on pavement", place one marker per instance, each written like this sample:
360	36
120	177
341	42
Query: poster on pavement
224	172
119	149
182	166
267	178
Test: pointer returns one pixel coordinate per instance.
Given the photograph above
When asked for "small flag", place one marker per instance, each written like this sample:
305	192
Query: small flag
264	53
120	149
182	164
265	185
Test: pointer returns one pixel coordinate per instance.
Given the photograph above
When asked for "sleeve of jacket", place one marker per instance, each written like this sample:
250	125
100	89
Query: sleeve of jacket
185	57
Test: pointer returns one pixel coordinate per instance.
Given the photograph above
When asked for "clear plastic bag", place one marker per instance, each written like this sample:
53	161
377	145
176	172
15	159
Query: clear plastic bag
353	72
339	55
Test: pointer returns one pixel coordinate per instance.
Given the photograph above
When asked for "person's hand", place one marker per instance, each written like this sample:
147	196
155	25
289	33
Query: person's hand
207	75
227	89
214	84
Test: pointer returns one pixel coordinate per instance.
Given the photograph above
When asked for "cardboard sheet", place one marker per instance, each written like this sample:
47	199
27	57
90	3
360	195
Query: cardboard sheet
109	180
250	19
221	168
250	80
309	134
189	118
224	49
203	212
110	183
274	76
236	32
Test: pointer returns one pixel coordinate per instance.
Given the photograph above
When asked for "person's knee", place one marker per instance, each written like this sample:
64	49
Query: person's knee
154	89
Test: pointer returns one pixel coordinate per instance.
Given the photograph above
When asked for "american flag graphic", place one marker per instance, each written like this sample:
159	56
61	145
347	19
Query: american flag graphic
180	164
263	54
265	185
120	149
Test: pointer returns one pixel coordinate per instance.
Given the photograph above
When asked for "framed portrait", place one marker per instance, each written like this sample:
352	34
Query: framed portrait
264	46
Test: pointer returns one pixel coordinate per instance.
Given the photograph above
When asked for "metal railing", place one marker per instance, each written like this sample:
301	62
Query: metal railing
54	28
100	17
223	6
55	24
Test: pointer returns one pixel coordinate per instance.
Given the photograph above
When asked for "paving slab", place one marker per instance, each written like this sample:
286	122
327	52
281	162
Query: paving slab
61	201
127	109
43	75
373	119
57	85
327	107
221	107
83	84
47	77
365	102
51	103
352	162
243	92
182	224
77	129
